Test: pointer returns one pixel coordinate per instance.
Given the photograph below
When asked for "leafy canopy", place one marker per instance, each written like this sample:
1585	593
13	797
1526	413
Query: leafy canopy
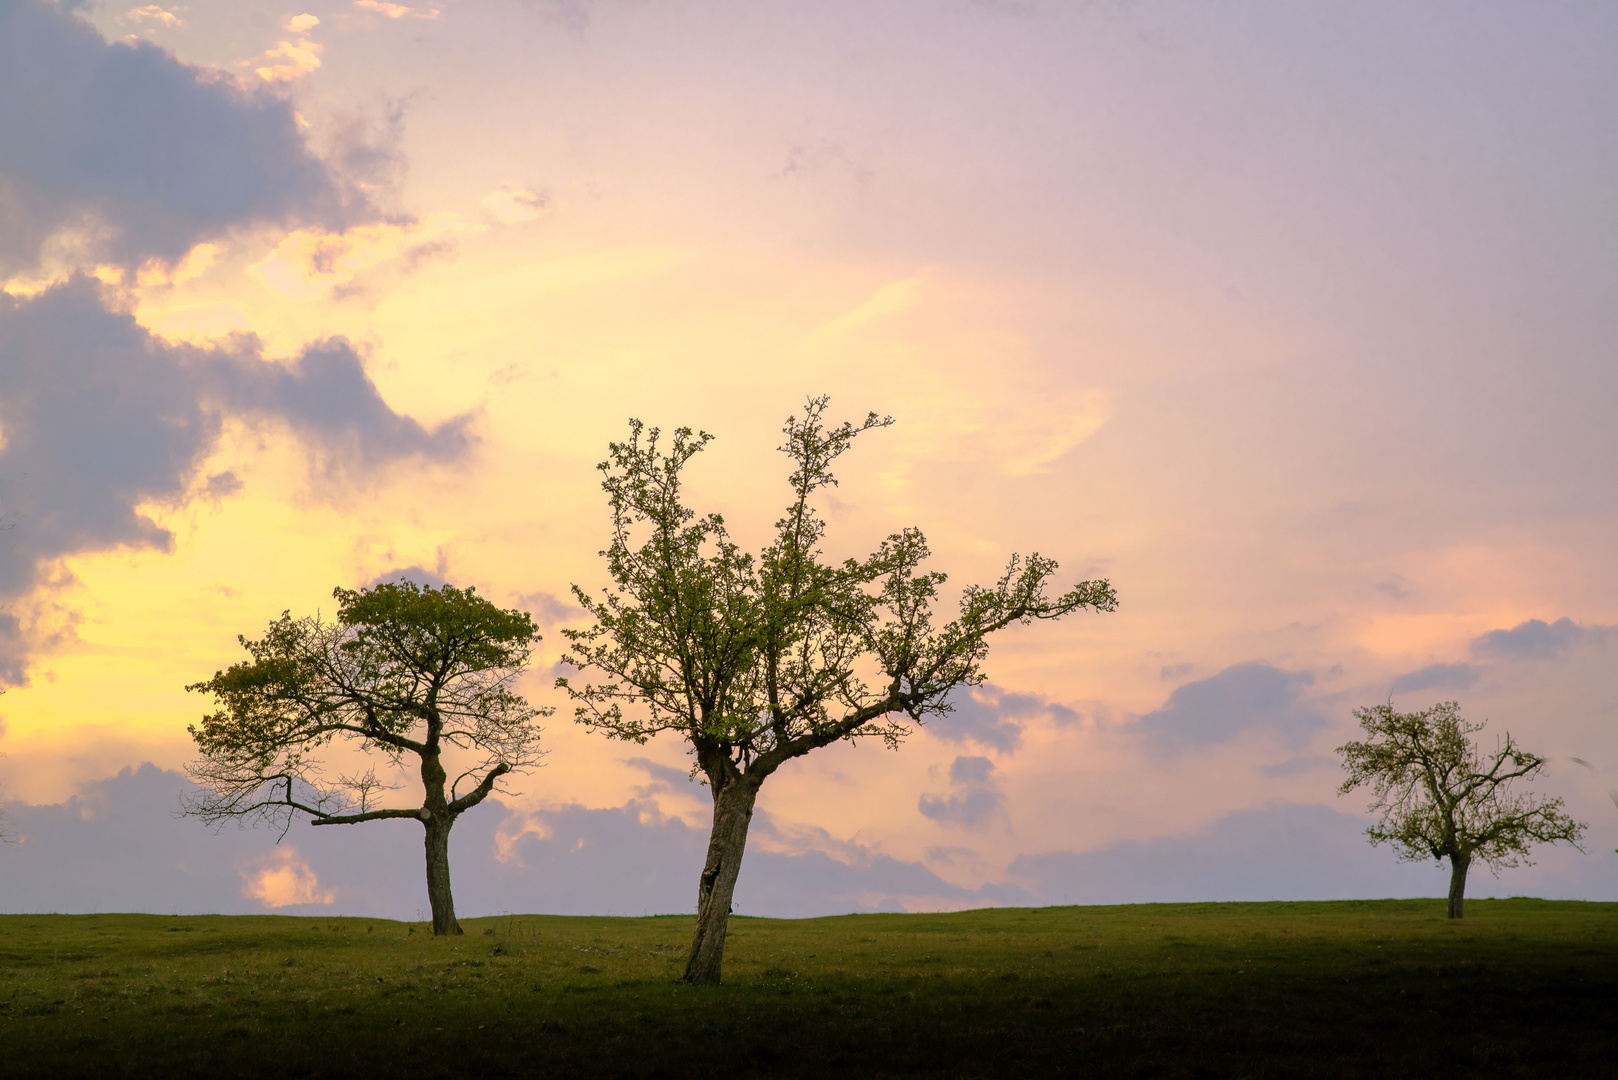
403	669
760	659
1441	797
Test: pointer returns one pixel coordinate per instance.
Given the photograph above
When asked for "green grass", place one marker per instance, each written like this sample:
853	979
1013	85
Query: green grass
1350	989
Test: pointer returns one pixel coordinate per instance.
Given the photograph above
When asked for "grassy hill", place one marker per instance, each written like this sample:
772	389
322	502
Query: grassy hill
1350	989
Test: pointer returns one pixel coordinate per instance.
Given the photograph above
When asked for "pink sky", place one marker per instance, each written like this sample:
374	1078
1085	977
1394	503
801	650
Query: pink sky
1294	321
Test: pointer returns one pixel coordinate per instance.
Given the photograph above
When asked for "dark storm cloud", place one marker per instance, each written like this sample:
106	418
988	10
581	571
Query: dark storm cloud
1244	697
150	154
1437	677
1537	639
99	417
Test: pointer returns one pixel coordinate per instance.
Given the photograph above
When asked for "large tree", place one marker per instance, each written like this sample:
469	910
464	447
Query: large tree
405	672
1441	797
756	661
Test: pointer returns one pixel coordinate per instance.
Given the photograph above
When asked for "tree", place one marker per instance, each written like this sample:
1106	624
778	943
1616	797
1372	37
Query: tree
1442	798
757	661
405	670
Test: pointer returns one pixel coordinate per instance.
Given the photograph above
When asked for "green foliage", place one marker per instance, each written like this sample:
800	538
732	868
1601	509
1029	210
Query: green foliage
404	669
1343	989
757	660
1441	797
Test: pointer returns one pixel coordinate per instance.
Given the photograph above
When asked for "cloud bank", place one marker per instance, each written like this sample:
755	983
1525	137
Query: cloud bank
119	153
138	155
101	419
1537	639
118	846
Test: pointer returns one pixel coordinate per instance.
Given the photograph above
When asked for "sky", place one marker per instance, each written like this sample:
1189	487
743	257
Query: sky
1293	321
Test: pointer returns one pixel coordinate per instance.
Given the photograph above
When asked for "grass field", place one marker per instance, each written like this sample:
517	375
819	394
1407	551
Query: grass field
1384	988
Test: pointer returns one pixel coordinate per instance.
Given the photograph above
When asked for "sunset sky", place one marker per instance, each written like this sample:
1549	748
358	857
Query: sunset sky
1298	322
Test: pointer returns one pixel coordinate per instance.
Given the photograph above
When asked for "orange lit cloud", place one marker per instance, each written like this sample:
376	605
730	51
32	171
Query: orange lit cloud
285	880
294	59
396	11
153	13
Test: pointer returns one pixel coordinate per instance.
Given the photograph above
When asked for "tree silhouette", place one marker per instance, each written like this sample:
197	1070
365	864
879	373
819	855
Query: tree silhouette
1442	798
404	671
756	661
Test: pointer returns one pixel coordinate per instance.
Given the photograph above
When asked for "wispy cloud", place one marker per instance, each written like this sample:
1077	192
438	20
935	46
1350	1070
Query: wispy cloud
396	11
510	206
153	13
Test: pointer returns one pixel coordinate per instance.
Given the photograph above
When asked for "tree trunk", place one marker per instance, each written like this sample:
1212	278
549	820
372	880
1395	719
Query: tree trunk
1458	865
732	813
438	890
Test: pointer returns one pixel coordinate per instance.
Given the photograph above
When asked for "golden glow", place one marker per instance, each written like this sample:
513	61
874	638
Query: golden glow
396	11
290	60
1128	368
285	879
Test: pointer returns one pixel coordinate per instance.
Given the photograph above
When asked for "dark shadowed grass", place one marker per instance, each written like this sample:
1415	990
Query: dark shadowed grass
1386	988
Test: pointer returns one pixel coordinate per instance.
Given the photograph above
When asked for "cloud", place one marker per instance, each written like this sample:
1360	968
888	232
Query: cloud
1537	639
119	152
1437	677
547	608
290	60
117	846
396	11
101	418
1280	852
154	13
416	575
326	397
665	779
310	263
511	206
1298	766
1245	697
285	880
976	800
989	717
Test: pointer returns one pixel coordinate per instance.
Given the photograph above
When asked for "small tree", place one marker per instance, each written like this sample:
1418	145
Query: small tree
404	670
759	661
1442	798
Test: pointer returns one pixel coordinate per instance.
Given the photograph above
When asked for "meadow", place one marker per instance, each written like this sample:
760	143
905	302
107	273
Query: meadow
1363	989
